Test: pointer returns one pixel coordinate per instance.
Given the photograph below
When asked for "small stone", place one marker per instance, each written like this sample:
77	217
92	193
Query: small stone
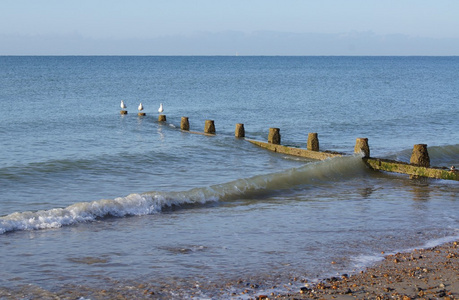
333	279
441	294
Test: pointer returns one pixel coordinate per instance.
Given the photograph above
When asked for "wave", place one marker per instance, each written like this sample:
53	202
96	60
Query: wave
444	155
99	164
440	156
316	173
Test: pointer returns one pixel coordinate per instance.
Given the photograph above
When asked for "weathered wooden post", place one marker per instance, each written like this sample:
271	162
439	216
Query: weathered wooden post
239	132
209	127
313	142
184	124
274	136
420	156
123	112
162	118
361	146
141	114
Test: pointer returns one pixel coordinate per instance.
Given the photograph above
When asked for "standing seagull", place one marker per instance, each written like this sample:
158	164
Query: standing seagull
160	109
140	106
123	106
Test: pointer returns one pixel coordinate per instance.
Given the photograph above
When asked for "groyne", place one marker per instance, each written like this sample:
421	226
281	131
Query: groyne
419	165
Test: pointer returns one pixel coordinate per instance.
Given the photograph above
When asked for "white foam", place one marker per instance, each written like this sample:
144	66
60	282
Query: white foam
134	204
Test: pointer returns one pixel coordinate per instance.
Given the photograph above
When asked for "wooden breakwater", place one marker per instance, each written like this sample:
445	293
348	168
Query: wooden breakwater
318	155
412	170
419	165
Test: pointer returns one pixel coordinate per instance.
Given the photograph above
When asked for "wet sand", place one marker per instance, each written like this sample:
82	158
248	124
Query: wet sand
422	274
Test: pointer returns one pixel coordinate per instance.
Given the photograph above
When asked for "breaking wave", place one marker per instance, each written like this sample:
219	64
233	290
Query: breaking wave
154	202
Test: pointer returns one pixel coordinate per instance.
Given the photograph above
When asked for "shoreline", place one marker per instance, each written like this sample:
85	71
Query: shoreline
431	273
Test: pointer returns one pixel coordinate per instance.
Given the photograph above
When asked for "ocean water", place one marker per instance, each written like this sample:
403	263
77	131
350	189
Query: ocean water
91	199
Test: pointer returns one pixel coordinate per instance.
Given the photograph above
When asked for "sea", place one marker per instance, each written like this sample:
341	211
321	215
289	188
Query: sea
97	204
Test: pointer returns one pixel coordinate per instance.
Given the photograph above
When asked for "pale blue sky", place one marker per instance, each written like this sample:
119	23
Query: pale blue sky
224	27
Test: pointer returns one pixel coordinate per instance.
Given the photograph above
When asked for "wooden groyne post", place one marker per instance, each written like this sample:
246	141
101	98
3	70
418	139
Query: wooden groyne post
185	124
162	118
274	136
420	156
240	131
313	142
123	112
209	127
361	146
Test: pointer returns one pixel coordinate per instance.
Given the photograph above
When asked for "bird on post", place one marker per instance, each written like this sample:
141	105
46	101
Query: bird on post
160	109
140	108
123	106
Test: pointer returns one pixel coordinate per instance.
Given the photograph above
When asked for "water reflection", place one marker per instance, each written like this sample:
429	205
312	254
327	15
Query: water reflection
420	188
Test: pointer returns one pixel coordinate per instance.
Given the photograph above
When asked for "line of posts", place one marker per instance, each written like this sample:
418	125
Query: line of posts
419	156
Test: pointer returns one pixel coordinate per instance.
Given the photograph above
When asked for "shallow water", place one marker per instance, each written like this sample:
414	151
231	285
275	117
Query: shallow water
93	199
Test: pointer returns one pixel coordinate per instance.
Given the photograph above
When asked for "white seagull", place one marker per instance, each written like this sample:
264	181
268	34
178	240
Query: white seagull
160	109
140	106
452	168
123	106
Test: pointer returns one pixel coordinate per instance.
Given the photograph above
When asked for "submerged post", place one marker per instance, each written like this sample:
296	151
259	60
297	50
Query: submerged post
209	127
239	132
274	136
123	112
361	146
162	118
313	142
141	114
184	124
420	156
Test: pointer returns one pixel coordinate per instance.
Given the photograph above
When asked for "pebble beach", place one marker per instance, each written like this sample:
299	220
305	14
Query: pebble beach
421	274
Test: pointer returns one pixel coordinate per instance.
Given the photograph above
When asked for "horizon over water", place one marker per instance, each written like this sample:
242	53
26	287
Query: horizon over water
92	200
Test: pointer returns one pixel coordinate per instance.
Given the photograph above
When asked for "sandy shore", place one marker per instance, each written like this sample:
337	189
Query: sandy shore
422	274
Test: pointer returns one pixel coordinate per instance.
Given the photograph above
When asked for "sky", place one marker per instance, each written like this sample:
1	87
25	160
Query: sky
229	27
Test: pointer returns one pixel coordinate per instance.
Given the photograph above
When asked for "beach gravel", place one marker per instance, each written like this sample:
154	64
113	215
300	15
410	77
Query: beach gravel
421	274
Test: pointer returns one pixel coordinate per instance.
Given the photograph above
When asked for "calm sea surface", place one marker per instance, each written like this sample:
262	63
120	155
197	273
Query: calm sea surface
91	199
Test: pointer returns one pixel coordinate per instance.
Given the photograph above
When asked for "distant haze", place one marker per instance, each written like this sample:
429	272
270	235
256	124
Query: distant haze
210	27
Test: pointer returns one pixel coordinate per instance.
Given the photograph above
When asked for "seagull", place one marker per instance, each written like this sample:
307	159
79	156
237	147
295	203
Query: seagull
160	109
123	106
140	106
452	168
